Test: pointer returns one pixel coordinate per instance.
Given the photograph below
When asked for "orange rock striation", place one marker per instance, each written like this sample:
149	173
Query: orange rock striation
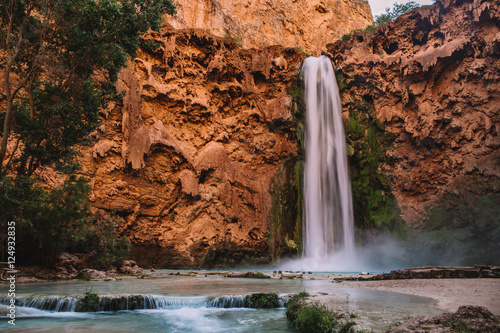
188	159
309	24
433	77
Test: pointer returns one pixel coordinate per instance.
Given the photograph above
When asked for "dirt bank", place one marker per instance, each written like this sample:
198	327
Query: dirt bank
449	293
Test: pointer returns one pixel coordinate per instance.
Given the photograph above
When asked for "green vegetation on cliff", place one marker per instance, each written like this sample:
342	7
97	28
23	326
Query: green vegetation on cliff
459	230
390	15
369	164
286	225
393	13
287	189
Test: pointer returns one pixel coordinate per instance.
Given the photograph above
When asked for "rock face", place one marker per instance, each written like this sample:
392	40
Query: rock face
309	24
433	78
434	272
467	319
187	160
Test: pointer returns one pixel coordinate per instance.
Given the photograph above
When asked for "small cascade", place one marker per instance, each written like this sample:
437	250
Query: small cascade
227	302
52	303
137	302
328	215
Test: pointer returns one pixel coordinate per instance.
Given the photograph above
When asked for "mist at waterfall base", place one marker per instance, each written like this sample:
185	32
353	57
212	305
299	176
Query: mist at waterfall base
328	220
383	253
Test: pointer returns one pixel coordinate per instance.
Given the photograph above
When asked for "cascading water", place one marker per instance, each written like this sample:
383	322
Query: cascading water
328	215
138	302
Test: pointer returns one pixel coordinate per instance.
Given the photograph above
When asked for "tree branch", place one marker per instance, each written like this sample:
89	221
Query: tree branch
8	69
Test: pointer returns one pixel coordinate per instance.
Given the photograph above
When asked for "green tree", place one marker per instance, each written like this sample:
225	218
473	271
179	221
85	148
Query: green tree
60	60
396	11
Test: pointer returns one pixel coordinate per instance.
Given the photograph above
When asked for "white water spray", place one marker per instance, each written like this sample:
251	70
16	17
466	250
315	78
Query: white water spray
328	214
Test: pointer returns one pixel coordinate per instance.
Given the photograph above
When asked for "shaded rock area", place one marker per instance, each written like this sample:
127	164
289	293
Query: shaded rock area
433	272
467	319
251	275
433	78
130	267
187	160
257	24
76	266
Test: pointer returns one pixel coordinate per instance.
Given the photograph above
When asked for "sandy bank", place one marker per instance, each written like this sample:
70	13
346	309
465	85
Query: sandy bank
449	293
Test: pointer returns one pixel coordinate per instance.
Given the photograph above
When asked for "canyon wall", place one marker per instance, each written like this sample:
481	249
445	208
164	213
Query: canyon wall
187	159
307	24
433	79
201	159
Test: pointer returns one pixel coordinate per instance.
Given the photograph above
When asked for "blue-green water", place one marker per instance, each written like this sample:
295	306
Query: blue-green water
375	309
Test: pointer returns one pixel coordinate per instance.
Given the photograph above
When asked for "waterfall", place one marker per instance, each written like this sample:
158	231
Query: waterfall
328	215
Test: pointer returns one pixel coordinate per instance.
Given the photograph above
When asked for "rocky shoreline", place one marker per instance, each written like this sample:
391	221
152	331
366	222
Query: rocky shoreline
432	272
465	319
72	267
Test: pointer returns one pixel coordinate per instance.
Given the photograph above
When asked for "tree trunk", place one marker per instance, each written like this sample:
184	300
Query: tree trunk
8	92
8	117
30	97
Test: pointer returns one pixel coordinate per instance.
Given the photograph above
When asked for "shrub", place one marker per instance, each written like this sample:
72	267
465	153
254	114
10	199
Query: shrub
266	301
48	220
460	230
396	11
58	220
89	302
83	276
314	317
101	240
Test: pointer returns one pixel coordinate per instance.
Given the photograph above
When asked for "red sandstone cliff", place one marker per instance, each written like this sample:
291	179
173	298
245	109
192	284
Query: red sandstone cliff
309	24
433	77
187	160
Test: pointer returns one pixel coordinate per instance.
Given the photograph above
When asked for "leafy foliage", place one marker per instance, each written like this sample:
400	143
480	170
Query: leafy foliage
89	302
66	56
59	220
460	230
396	11
266	301
62	58
389	16
83	276
314	317
48	220
100	239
